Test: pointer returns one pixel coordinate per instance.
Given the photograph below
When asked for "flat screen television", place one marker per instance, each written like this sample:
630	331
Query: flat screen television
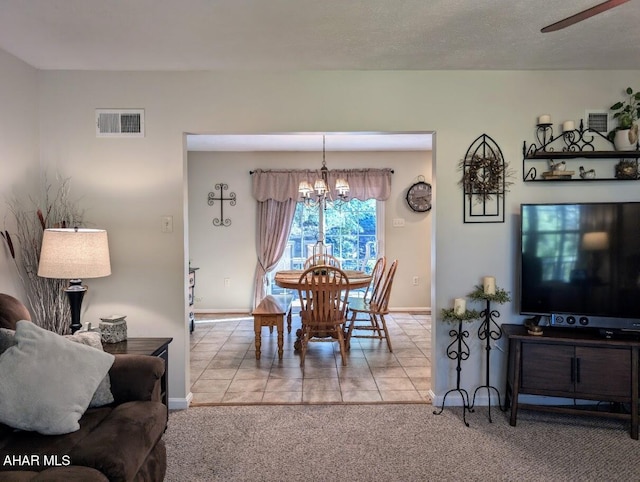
580	264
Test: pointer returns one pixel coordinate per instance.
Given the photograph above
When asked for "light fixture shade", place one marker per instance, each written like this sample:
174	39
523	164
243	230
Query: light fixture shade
342	186
74	253
320	186
595	241
305	188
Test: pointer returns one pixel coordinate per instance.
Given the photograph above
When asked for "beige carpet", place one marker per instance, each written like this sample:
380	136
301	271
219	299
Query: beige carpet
394	443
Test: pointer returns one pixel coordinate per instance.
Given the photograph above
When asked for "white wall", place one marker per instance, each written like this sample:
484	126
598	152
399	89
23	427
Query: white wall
129	184
19	162
229	252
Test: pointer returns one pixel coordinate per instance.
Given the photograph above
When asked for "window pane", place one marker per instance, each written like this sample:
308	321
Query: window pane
351	231
350	236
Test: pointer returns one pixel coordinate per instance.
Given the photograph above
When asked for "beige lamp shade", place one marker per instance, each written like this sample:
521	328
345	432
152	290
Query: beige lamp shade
74	253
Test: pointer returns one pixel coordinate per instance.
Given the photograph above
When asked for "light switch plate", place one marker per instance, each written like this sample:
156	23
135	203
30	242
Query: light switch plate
167	224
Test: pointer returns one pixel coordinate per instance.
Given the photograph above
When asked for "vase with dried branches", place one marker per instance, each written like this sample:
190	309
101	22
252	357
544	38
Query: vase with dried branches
48	302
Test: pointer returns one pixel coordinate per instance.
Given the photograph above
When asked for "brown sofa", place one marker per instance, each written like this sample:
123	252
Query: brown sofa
118	442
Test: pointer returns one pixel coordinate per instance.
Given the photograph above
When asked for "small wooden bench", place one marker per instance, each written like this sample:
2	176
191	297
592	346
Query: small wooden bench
270	312
286	302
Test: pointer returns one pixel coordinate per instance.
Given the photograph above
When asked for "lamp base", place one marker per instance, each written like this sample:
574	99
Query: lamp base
75	291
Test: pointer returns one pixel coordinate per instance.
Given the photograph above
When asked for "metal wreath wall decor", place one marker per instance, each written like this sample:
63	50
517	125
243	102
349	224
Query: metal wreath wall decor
485	178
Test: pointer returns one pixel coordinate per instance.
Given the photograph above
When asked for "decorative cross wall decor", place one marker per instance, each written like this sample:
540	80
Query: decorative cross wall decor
221	221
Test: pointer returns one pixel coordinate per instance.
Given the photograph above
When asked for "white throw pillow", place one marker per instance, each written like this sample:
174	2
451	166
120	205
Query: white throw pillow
103	395
47	381
7	339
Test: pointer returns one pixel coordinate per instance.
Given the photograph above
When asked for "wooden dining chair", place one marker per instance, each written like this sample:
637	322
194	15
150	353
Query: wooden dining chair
368	315
372	288
321	259
323	291
357	299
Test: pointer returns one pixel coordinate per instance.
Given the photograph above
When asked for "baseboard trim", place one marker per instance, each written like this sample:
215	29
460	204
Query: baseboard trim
410	309
454	399
230	311
180	403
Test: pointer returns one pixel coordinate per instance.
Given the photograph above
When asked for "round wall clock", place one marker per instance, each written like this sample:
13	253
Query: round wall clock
419	197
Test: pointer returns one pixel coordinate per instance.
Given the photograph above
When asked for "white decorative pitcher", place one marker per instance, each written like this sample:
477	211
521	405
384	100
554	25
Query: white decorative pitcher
626	139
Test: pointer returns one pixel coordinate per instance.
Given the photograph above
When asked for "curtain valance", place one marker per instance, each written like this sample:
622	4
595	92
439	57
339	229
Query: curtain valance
281	185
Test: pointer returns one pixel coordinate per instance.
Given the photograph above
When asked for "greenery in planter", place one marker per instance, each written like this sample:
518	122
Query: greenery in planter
501	296
626	112
450	316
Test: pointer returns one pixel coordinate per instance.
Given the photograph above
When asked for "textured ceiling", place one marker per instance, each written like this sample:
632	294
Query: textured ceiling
317	35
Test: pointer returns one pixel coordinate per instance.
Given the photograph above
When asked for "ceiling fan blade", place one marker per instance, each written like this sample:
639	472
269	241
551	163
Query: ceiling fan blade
585	14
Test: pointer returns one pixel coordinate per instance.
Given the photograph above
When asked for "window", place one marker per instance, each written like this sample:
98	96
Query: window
351	235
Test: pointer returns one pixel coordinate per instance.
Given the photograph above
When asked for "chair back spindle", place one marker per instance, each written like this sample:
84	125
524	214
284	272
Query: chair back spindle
381	299
376	278
320	259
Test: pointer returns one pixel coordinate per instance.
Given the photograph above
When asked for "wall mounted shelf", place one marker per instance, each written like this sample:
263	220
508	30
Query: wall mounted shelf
585	155
580	145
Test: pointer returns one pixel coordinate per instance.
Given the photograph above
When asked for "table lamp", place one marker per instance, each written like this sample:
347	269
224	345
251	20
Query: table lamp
74	254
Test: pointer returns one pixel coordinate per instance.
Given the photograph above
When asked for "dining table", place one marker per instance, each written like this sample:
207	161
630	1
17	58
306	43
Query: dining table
290	279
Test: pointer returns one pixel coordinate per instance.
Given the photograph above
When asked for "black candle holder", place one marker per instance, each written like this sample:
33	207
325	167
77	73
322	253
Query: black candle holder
458	350
544	134
489	330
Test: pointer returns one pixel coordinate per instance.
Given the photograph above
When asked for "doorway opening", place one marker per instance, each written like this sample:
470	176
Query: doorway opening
244	153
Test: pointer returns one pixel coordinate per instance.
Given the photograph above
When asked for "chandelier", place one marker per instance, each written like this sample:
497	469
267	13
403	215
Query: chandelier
321	185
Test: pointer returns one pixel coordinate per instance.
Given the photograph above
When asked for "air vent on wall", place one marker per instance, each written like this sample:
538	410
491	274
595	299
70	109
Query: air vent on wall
120	122
597	120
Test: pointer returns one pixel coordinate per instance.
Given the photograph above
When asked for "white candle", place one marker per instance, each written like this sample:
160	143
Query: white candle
568	126
459	306
544	119
489	285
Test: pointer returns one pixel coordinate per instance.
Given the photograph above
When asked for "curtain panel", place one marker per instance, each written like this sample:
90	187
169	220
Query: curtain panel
273	226
281	185
277	195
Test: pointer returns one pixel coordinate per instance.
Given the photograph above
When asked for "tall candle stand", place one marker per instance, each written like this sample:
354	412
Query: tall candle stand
458	350
489	330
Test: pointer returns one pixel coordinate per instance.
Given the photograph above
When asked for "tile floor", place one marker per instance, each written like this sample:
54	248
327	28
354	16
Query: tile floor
224	369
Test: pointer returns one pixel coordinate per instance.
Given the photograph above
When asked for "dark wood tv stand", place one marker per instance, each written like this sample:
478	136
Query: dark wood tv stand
572	363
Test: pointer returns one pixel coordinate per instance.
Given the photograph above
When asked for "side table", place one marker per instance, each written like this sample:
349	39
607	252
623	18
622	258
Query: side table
145	346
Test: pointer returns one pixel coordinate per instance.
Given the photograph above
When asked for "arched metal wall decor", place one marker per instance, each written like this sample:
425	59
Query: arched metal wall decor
484	182
211	198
